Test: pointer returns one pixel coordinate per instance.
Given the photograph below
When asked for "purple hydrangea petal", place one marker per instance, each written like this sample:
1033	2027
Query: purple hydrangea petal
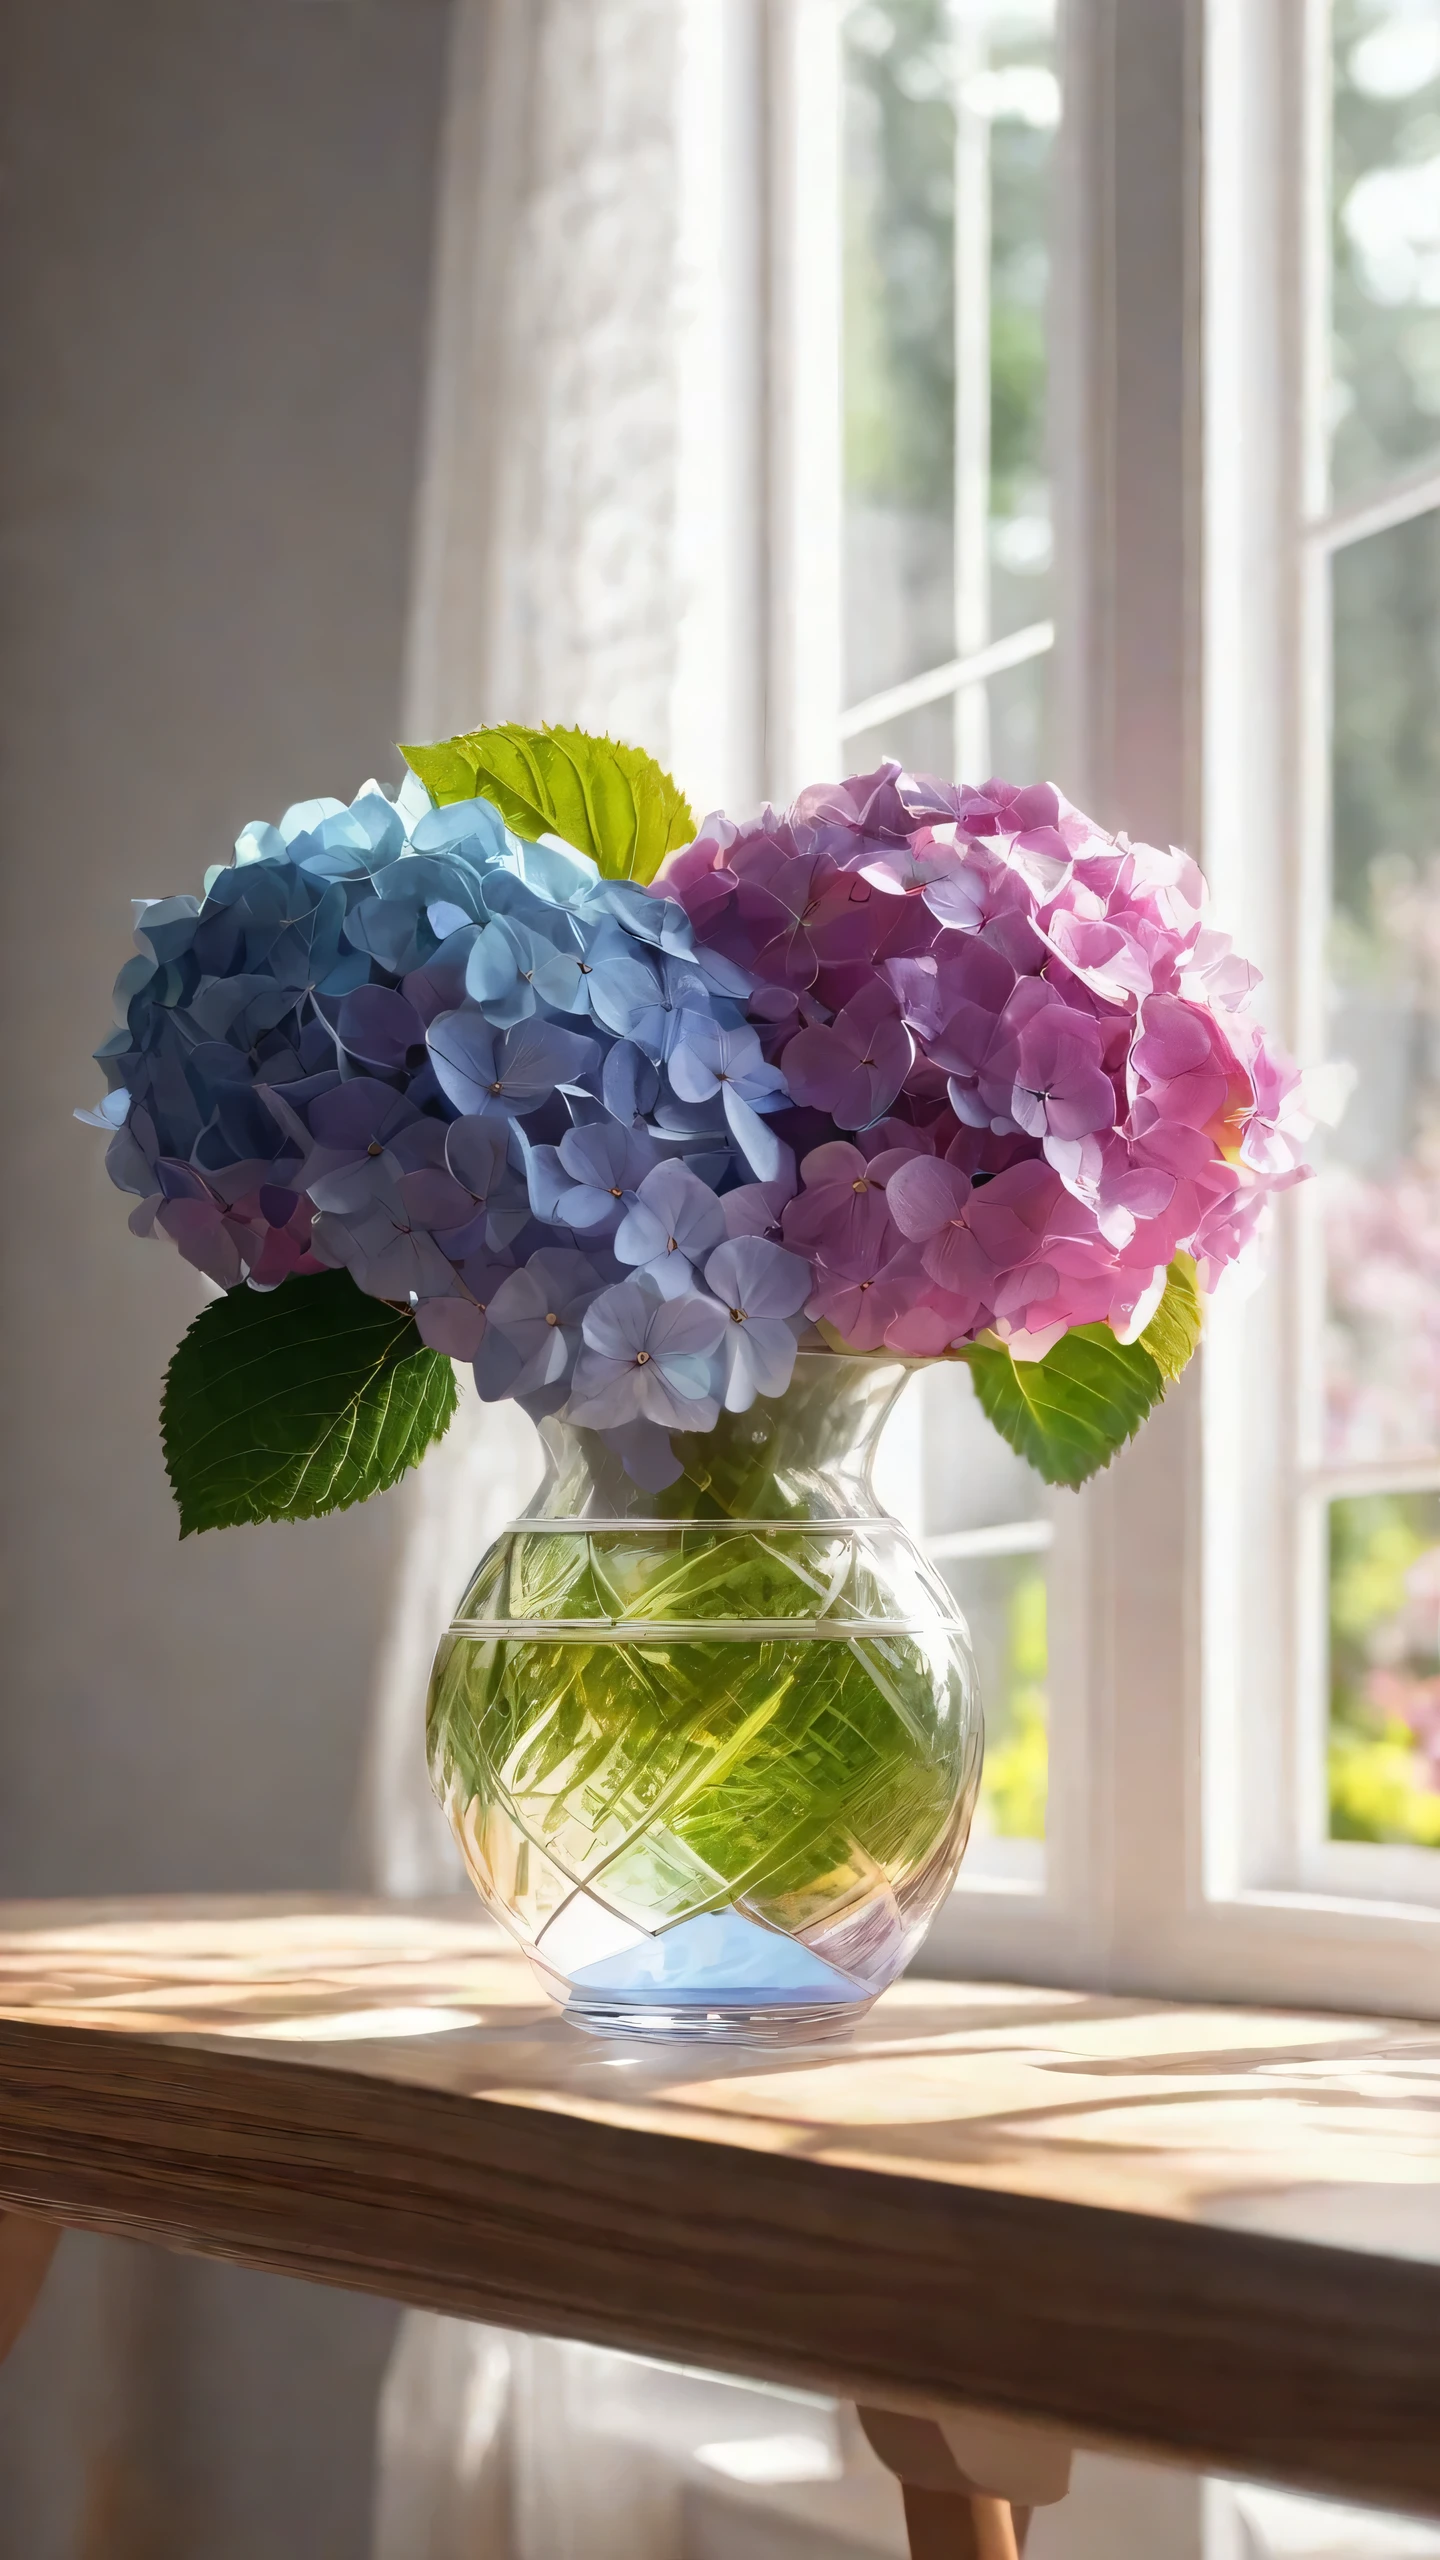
759	1361
647	1358
630	1083
434	1199
676	1393
646	1455
455	1326
608	1158
766	1156
492	972
462	1052
618	1323
674	1213
757	1278
475	1153
474	827
689	1325
756	1208
378	1026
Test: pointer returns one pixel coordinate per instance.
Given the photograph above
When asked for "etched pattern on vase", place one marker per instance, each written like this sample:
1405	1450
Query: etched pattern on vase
716	1770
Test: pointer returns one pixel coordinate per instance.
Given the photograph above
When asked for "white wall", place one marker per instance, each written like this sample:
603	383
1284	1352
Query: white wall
215	221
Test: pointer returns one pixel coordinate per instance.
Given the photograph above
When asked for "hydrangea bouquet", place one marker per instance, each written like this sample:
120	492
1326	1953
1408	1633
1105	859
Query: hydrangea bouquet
686	1139
519	1068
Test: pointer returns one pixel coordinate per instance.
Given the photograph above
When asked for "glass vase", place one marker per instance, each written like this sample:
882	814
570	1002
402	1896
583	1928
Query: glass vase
711	1755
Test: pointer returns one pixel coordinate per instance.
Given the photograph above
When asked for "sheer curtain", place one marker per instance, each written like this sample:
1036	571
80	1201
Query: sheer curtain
587	551
552	578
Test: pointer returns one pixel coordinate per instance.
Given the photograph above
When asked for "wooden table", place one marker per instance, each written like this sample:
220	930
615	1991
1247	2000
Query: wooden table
1209	2235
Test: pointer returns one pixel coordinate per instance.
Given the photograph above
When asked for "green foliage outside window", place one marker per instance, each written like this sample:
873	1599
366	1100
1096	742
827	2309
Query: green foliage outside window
1014	1787
1385	329
906	61
899	256
1385	1668
901	64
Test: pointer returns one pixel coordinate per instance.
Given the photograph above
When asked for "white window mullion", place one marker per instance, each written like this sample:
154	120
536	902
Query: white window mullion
1291	1914
1122	1841
1416	495
956	676
972	392
1300	125
1255	839
1145	617
803	514
719	356
1291	1727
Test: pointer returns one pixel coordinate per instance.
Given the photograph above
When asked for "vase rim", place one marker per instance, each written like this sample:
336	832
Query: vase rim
806	1451
682	1524
882	1359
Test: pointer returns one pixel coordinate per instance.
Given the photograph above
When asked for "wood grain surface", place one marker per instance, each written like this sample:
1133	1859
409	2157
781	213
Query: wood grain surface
1209	2234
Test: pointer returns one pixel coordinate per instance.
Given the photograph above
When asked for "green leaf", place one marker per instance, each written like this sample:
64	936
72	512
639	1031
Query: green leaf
1069	1413
1172	1336
611	801
304	1399
443	770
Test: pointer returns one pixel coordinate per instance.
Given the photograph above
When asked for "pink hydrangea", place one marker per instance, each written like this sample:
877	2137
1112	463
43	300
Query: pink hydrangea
1040	1051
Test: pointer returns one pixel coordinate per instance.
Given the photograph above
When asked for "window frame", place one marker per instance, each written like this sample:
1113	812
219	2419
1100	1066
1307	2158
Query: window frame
1191	675
1126	543
1345	1923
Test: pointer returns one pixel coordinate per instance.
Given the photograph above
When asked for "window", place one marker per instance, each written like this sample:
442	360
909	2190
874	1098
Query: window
1110	417
948	121
929	468
1375	1426
1324	1809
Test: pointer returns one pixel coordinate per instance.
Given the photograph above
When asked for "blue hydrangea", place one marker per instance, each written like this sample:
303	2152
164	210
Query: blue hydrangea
489	1083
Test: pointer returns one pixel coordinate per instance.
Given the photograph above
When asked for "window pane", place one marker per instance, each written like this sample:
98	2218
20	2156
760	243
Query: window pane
950	118
1385	1668
1018	704
899	342
1382	1180
974	1484
1386	239
999	727
1004	1600
923	741
1015	95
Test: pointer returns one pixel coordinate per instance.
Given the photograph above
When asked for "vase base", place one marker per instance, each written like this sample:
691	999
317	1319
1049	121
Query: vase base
736	2023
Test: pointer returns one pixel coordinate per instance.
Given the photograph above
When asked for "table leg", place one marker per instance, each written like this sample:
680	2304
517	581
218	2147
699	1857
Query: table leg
26	2249
969	2481
951	2524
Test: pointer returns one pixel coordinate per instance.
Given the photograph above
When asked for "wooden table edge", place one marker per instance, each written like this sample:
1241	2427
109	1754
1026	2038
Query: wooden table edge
1224	2350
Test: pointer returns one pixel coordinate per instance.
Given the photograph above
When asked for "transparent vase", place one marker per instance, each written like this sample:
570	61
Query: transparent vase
711	1755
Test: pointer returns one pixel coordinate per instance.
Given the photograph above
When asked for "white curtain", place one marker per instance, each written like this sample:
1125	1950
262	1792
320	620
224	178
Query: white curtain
548	584
496	2447
587	552
551	582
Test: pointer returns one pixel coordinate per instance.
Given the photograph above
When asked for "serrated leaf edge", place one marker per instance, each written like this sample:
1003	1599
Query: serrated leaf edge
517	735
1057	1476
316	1501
